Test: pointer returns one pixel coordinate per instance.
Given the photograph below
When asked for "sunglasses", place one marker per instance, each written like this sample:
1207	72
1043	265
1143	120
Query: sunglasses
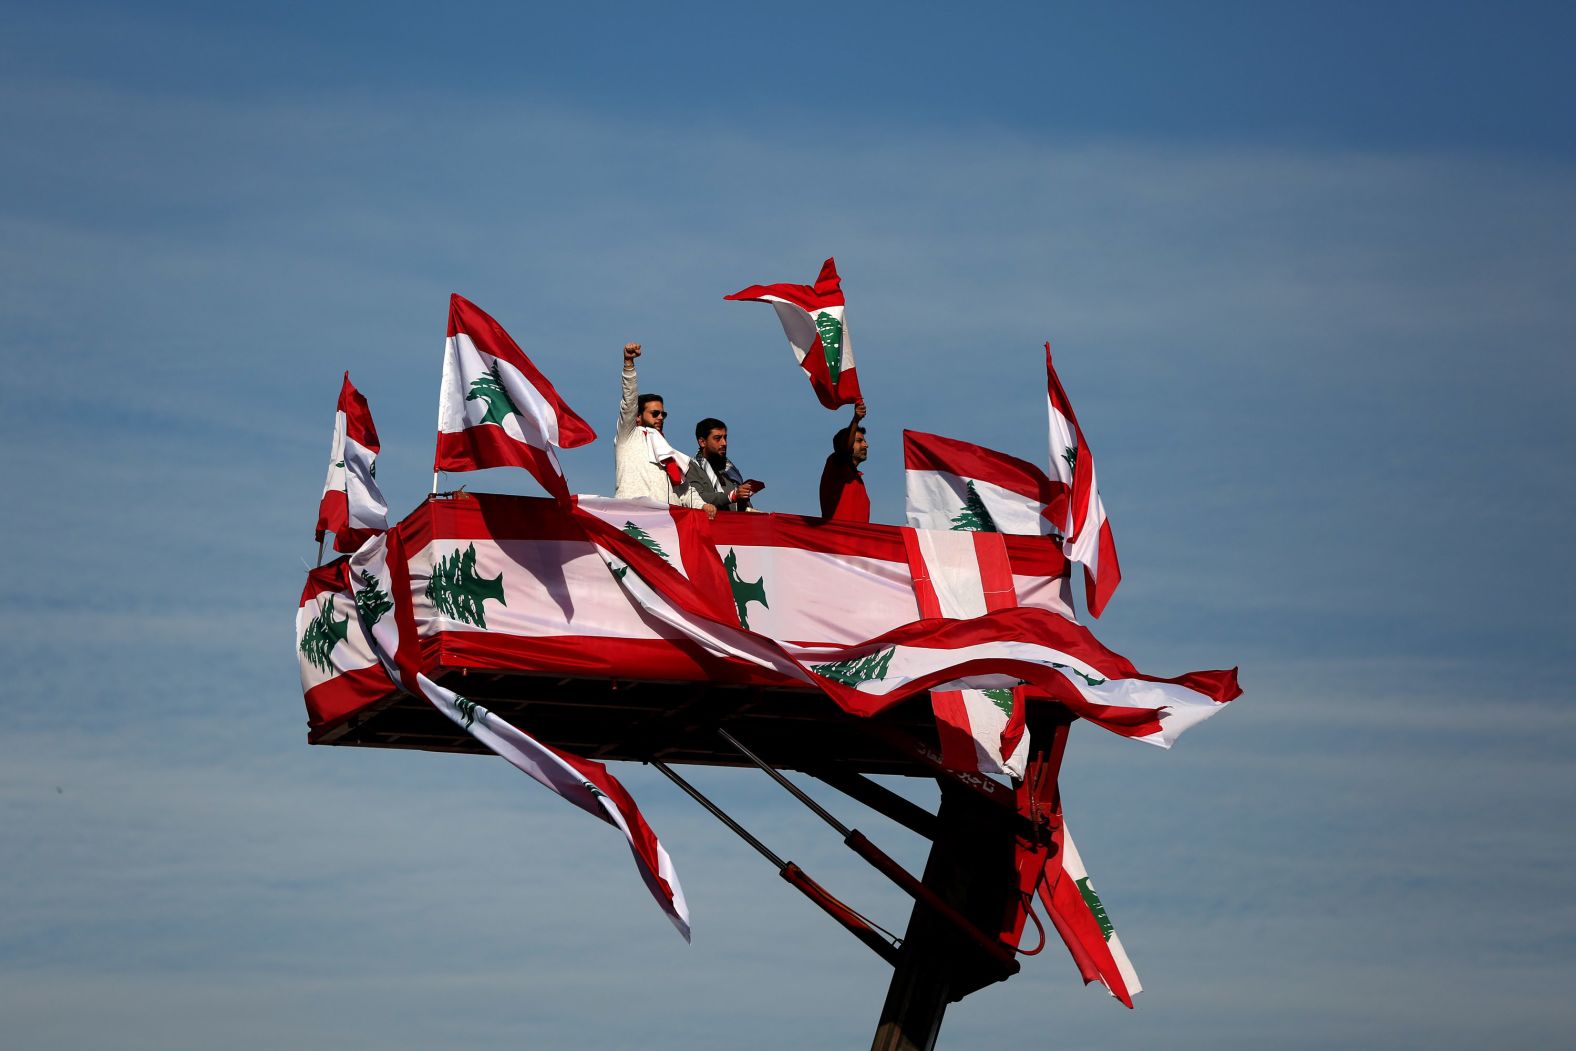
658	413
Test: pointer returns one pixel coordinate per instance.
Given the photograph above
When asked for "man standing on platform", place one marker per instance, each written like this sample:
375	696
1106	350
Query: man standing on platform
711	474
843	496
644	464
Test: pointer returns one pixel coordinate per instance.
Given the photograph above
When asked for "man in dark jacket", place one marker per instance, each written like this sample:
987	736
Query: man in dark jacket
712	475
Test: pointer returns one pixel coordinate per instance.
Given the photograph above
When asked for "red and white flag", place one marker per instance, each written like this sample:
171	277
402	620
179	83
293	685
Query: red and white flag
352	508
962	576
340	671
495	409
380	568
1087	531
1080	918
998	650
812	317
954	485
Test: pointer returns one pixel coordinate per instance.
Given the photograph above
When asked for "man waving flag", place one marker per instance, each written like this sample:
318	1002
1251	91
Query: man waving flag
495	409
352	508
812	317
1087	532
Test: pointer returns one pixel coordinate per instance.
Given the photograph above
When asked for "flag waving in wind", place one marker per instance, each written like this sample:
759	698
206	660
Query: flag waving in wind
495	409
1088	533
812	317
352	508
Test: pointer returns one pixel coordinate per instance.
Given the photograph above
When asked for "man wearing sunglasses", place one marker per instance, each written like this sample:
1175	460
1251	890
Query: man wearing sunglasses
644	464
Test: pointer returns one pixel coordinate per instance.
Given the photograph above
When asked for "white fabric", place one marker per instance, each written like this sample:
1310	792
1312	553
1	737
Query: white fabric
936	498
536	421
799	327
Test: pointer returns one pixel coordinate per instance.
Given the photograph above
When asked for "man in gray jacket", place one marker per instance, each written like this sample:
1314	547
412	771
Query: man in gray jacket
711	474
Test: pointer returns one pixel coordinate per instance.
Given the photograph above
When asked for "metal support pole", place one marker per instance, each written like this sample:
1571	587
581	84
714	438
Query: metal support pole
1003	955
970	867
851	921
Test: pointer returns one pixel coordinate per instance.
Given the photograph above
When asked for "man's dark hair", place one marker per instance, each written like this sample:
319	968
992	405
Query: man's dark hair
706	426
640	402
840	439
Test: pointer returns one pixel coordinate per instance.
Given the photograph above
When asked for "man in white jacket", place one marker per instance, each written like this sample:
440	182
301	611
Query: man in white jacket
644	464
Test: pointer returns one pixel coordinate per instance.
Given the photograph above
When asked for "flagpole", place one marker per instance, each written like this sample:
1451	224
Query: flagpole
434	483
320	551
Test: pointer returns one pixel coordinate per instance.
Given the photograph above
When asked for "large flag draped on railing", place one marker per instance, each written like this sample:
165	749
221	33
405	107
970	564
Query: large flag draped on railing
340	670
997	650
812	318
495	409
1087	531
378	571
352	508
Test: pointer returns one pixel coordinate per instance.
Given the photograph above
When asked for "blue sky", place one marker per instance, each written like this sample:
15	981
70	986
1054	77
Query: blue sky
1306	270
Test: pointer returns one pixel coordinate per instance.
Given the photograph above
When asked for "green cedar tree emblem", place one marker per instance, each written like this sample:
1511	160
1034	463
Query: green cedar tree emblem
645	538
1091	899
1091	680
1001	698
457	592
744	591
489	388
975	516
467	709
1070	454
372	601
323	634
856	670
831	330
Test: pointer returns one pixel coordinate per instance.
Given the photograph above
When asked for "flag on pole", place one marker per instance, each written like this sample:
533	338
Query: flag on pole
812	317
1087	531
495	409
954	485
380	568
352	508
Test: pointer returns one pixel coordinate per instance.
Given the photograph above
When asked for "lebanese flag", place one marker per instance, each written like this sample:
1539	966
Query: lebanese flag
812	317
495	409
1087	531
961	575
352	508
998	650
340	671
958	486
381	567
1080	918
